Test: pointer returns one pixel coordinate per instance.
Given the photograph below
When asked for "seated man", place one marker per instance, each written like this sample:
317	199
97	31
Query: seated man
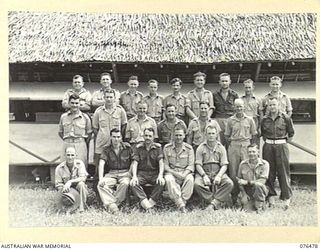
147	168
252	177
116	158
70	177
179	168
211	182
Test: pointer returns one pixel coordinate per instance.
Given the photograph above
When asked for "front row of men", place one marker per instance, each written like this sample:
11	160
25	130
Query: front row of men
174	168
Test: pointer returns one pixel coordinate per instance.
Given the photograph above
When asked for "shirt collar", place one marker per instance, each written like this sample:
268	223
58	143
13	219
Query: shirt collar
280	94
215	146
177	97
239	119
149	96
182	148
77	115
145	119
253	96
259	163
128	93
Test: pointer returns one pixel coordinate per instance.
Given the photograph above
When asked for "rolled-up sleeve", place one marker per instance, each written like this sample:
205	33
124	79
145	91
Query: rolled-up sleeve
223	156
199	156
290	128
190	160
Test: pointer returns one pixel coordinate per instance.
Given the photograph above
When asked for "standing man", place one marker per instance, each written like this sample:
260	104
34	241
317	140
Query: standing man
167	126
200	94
181	102
98	95
154	101
179	168
106	118
70	178
224	103
277	130
137	124
211	182
114	168
78	89
147	168
75	130
196	129
252	105
240	131
283	100
252	176
130	98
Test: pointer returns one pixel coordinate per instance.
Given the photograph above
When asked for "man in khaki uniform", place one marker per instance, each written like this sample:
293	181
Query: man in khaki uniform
179	168
75	130
154	101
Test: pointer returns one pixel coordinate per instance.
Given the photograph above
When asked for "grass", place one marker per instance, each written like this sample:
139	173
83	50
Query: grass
34	206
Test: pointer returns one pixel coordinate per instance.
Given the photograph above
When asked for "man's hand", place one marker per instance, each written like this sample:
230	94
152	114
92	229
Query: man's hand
134	181
242	182
289	139
217	180
66	187
160	181
206	180
101	182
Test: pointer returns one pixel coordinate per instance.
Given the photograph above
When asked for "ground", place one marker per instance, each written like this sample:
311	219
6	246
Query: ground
34	206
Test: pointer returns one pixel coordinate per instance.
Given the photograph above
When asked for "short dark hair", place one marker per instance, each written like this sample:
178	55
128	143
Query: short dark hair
109	91
115	130
153	81
77	77
224	74
170	105
148	129
74	97
248	81
275	78
135	78
174	80
199	74
142	102
105	74
203	102
252	145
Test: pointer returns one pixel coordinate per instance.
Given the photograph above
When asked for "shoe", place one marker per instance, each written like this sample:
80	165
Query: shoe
286	204
215	204
113	208
152	202
272	202
183	209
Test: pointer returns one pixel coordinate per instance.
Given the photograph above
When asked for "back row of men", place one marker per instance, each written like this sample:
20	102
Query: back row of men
237	122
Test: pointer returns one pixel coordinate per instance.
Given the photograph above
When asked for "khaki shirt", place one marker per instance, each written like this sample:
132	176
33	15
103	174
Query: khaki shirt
129	102
180	102
155	106
98	97
240	129
284	102
205	96
181	160
75	125
206	154
63	174
85	98
166	132
251	106
104	121
134	130
196	130
251	172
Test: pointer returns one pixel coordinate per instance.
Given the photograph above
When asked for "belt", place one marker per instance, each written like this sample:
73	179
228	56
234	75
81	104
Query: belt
276	141
73	140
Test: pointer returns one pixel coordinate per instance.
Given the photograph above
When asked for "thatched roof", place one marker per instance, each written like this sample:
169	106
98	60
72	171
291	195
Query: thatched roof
185	38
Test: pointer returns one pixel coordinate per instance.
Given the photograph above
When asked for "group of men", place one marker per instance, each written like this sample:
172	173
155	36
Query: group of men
204	142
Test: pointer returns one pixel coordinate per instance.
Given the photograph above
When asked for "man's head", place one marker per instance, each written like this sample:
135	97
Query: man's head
142	108
148	135
211	133
176	84
105	80
275	83
109	97
74	102
248	86
204	109
153	86
238	106
179	135
170	111
273	105
253	152
70	155
224	80
116	137
77	82
199	79
133	82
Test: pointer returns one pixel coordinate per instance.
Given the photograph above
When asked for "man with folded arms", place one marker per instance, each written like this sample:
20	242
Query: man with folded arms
179	168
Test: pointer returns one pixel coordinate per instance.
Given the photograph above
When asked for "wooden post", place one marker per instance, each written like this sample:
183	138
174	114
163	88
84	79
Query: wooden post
256	77
115	72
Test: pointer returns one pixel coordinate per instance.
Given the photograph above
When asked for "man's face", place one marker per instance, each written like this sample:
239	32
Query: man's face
248	88
133	84
253	153
77	83
239	107
225	82
106	81
171	112
153	87
275	85
211	134
116	138
74	104
109	98
142	109
179	136
176	87
273	106
199	81
70	155
204	109
148	136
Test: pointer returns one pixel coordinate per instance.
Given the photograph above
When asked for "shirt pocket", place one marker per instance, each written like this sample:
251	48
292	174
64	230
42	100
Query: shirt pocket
67	127
183	159
246	175
80	128
246	128
281	129
65	178
104	123
116	122
196	134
